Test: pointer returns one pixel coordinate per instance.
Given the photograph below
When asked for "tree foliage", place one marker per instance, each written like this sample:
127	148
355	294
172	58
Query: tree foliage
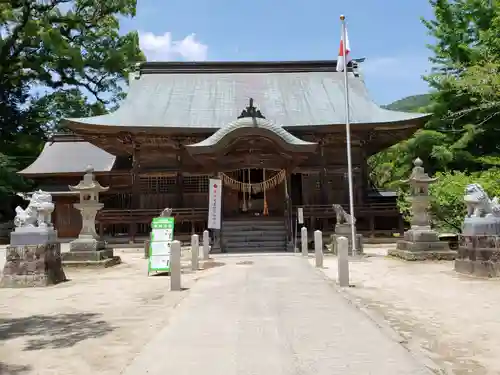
447	206
410	103
460	142
58	58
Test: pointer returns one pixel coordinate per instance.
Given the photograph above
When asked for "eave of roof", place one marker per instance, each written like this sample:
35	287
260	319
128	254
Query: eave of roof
69	157
211	95
257	125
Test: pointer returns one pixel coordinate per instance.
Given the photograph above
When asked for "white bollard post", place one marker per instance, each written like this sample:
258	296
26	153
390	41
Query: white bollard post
343	261
318	248
206	244
303	241
195	251
175	266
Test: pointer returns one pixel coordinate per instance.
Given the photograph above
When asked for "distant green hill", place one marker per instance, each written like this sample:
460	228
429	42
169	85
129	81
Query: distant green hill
410	103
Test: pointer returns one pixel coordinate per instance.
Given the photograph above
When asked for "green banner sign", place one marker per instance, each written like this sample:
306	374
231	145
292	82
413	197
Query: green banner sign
162	235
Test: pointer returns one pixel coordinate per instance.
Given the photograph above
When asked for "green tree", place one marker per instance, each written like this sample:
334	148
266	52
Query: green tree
463	130
412	103
467	34
53	107
61	49
447	206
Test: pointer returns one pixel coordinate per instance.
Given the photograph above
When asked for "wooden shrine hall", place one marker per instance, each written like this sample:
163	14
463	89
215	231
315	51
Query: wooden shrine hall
274	132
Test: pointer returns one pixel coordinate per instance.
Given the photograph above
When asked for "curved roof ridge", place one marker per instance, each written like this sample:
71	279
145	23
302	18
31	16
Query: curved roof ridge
249	122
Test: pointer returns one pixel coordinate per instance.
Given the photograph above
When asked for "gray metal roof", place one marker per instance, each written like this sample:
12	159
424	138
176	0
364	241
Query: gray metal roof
212	95
70	157
248	122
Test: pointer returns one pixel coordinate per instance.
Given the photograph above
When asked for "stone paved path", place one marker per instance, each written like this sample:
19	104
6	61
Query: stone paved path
270	314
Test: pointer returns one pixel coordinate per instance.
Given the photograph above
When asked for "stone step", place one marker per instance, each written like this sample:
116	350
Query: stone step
259	244
267	249
254	234
231	240
243	223
252	227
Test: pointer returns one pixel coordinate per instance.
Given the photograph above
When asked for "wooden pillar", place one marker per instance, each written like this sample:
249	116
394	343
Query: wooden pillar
305	189
372	225
179	178
136	193
180	189
322	175
288	204
359	188
365	175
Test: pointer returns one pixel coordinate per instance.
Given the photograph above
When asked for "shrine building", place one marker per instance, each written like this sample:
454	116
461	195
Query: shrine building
274	132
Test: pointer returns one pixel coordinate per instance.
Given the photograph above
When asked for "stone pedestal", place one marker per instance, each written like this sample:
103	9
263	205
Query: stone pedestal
344	230
478	255
422	243
31	264
477	268
33	257
32	236
89	252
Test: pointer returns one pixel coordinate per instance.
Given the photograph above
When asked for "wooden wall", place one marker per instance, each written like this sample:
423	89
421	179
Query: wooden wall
66	219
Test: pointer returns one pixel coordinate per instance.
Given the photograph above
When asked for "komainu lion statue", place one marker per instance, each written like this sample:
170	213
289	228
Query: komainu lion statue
478	202
167	212
38	212
342	216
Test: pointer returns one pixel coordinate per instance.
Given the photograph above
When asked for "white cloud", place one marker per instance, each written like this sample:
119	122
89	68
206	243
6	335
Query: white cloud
163	48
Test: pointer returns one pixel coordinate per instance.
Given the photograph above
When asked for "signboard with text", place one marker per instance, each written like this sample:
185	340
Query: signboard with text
300	215
214	203
162	235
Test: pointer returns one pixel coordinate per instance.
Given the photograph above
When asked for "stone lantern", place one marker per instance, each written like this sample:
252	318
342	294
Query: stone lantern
88	189
419	182
88	247
421	242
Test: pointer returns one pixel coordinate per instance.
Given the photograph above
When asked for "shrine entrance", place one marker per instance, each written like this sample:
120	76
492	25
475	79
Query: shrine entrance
254	158
254	192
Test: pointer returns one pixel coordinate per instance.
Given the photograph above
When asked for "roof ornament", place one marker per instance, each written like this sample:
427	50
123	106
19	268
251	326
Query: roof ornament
251	111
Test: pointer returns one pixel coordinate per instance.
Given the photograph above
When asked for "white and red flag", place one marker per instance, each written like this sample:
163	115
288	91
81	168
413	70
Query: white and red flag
342	61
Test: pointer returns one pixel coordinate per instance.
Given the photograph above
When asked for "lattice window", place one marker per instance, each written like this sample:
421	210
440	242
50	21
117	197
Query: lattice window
195	184
158	184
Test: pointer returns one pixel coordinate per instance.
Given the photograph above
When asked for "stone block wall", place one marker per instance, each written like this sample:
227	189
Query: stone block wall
33	266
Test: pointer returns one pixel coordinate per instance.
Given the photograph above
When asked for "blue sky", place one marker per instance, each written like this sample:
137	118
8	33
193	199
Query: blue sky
387	32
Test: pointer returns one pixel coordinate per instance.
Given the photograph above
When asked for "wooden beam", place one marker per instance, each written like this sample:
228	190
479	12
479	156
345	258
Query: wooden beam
136	192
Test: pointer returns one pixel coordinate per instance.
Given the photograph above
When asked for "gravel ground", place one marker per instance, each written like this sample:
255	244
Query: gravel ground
451	318
95	323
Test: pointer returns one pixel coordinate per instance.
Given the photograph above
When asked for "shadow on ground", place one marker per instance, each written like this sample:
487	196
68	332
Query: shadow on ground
53	332
212	264
6	369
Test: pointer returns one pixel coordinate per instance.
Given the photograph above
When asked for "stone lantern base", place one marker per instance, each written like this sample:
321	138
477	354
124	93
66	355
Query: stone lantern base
89	252
422	244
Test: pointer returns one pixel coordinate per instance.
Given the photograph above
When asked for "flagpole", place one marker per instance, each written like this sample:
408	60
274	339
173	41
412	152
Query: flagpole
348	137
